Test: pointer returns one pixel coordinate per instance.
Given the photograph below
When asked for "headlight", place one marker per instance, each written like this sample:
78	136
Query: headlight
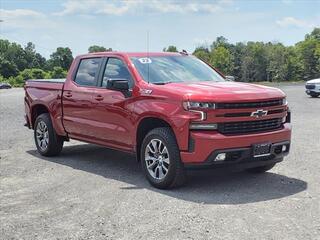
198	105
284	101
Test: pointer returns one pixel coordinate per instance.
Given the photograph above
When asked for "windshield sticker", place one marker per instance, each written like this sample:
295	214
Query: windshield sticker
145	60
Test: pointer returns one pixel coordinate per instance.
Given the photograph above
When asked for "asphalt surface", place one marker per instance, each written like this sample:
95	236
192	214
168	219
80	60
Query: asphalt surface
90	192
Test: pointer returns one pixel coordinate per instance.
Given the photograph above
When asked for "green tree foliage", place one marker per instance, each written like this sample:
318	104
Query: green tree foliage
58	72
170	49
202	53
308	53
96	48
251	61
258	61
62	57
222	59
12	55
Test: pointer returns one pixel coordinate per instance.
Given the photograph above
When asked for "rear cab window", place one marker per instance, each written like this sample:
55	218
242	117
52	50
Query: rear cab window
88	71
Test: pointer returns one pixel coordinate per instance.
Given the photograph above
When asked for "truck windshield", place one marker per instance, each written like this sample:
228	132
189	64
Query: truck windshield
173	69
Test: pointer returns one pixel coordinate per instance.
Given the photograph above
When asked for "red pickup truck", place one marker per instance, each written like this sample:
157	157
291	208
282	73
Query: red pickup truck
171	109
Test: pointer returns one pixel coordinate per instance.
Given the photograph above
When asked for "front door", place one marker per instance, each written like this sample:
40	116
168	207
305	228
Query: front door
112	109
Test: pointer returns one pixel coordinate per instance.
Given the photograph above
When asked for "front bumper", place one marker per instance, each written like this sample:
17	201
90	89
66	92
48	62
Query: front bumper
312	91
204	145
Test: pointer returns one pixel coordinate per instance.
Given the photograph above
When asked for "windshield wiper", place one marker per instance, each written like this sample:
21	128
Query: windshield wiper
160	83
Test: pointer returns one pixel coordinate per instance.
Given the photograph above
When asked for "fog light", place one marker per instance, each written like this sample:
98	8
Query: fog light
284	148
221	157
203	126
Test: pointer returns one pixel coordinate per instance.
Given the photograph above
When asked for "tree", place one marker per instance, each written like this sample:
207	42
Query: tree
315	34
222	59
202	53
220	42
14	54
171	48
7	68
308	53
254	64
237	51
96	48
62	57
277	68
33	59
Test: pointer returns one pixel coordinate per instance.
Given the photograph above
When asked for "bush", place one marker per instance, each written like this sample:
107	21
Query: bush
38	73
26	74
58	72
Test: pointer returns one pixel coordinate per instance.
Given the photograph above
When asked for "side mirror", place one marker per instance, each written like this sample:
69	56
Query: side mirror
118	84
230	78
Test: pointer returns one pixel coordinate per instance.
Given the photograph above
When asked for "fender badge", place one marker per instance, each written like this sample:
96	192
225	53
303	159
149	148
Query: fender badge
146	91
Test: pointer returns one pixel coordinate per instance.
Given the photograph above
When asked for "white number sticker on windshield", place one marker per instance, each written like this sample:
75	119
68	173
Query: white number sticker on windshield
145	60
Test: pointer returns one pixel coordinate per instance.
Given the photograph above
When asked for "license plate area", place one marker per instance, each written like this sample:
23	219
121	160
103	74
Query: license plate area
261	149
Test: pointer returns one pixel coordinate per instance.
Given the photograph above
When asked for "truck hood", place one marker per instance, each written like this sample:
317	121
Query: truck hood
223	91
314	81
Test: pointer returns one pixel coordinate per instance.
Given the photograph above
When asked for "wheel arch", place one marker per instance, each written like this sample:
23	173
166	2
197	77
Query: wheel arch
146	125
36	110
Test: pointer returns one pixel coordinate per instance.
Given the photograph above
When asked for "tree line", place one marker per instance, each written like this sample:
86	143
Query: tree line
259	61
248	62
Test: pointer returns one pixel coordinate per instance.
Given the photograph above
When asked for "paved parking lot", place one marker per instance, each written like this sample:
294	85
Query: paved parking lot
90	192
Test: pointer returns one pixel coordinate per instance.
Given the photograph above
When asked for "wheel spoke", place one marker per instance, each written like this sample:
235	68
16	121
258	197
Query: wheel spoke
154	145
161	174
154	163
166	160
150	149
165	168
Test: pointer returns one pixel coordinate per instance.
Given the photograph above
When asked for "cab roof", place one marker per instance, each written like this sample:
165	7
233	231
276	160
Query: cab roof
134	54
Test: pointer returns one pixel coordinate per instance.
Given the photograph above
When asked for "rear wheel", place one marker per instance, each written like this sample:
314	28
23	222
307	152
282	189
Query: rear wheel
47	141
261	169
160	159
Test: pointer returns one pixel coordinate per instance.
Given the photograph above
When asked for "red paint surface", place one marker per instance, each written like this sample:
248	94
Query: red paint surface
107	117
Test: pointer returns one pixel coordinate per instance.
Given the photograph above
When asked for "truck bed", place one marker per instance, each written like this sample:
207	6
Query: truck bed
45	93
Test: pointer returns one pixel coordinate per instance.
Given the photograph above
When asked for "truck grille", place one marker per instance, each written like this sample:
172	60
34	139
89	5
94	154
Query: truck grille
269	103
310	86
250	126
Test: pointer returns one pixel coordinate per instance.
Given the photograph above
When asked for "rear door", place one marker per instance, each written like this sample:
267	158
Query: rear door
78	98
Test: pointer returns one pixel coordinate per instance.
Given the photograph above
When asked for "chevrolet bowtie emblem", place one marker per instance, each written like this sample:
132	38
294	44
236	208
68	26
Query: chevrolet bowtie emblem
259	113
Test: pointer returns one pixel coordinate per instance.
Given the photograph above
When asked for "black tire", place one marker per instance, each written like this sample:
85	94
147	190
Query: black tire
175	176
314	95
55	143
261	169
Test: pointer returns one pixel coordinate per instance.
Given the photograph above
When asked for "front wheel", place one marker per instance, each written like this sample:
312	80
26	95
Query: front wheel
160	159
314	95
47	141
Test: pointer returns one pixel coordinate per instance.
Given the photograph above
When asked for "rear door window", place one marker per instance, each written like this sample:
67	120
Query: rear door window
88	72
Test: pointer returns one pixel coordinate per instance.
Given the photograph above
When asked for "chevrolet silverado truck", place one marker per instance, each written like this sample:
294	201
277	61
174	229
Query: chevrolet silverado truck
172	110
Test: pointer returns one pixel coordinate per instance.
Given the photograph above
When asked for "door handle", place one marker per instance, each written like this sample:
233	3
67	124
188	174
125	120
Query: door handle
68	95
99	98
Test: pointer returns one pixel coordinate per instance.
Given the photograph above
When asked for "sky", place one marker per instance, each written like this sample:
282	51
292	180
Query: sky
123	25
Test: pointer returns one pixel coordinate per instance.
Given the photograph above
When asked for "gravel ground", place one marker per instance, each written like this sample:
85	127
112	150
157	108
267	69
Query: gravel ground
90	192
